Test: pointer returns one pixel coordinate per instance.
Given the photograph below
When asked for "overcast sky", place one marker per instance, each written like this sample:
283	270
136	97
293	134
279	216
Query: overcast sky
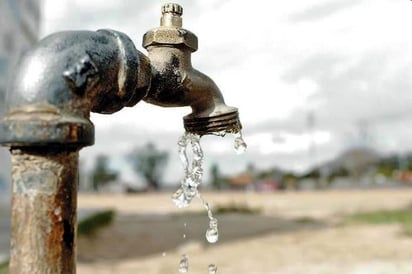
340	67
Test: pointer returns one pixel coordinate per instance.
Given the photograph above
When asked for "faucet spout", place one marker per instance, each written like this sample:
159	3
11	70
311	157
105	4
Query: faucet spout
176	83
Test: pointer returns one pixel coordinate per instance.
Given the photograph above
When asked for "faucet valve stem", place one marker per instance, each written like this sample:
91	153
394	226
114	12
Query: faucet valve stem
171	15
172	8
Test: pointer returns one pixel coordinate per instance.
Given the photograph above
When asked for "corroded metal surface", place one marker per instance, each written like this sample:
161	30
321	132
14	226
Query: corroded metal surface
67	75
43	212
176	83
218	124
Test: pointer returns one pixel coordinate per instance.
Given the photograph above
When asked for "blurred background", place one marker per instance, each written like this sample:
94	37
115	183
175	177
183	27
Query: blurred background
324	95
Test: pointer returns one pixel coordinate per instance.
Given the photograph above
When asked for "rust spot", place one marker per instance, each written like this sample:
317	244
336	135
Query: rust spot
68	234
44	200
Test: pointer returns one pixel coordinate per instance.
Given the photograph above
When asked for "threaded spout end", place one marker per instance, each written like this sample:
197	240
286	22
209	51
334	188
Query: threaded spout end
214	125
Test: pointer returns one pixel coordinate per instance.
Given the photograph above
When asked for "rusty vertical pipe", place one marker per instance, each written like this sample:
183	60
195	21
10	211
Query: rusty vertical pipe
44	211
56	86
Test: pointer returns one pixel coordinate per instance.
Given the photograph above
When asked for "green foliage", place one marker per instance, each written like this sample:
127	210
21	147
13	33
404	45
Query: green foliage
385	171
306	220
101	173
400	216
4	267
216	178
313	174
150	163
241	208
91	224
290	176
407	228
384	216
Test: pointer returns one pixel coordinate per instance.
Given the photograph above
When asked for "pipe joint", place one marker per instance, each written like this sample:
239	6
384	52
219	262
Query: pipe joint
62	79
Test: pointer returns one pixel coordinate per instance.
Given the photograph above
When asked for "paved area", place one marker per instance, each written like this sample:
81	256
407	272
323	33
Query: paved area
298	233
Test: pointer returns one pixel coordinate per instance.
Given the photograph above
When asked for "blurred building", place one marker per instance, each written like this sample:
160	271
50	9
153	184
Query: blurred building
241	182
19	28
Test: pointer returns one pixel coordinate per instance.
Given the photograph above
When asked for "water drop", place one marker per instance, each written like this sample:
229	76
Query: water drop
212	269
179	198
212	233
184	264
240	145
184	236
193	173
164	254
206	205
219	133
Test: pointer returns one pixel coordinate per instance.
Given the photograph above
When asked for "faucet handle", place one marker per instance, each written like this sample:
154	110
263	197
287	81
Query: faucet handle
171	15
172	8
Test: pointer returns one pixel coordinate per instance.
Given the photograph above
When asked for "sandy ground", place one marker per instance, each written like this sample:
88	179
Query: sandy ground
297	233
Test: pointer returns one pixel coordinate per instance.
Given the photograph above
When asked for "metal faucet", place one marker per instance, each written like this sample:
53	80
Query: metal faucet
176	83
55	87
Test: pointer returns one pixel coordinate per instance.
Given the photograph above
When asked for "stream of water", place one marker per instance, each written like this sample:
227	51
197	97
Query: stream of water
188	190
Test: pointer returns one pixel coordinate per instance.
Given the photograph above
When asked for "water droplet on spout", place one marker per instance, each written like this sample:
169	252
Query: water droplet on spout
240	145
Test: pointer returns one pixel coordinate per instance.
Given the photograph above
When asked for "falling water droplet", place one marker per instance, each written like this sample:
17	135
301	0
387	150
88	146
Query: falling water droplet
212	233
179	198
164	254
192	173
182	144
212	269
240	145
184	264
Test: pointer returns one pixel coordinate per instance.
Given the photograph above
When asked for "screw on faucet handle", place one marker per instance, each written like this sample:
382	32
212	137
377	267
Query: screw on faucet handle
172	8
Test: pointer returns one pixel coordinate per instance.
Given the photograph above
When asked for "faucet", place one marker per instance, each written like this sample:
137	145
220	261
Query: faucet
176	83
56	85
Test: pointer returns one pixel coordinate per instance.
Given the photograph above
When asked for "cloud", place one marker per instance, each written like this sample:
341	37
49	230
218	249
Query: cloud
322	10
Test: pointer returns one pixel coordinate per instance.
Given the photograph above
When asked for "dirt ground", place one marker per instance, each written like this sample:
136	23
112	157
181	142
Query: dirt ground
297	232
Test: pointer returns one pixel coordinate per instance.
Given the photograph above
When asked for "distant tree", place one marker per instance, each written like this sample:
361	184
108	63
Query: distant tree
251	170
101	174
150	163
216	178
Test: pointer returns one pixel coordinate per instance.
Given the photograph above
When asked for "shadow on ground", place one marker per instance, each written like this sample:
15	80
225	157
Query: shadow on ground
132	236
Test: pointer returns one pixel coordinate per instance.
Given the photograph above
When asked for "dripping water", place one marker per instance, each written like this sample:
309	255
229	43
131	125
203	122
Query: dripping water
212	269
188	190
240	145
184	264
